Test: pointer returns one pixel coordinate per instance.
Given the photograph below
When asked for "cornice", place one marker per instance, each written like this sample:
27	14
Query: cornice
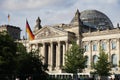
104	32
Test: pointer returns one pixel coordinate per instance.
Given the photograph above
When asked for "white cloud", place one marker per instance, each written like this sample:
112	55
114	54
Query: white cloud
33	4
100	1
24	4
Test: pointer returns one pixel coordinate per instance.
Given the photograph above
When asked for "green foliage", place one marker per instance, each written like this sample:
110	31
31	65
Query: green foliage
74	59
31	64
7	54
15	60
20	48
102	66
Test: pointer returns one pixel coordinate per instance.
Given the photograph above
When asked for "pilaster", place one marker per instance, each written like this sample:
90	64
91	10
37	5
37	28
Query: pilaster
118	50
91	55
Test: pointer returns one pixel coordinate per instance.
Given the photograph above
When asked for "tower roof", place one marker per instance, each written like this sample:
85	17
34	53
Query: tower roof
38	19
76	19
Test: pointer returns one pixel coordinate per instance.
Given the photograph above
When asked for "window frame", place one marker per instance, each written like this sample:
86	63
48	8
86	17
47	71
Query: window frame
113	45
104	46
94	47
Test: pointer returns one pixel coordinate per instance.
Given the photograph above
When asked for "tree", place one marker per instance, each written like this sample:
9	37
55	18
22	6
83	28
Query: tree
75	59
7	55
103	66
20	48
30	64
15	60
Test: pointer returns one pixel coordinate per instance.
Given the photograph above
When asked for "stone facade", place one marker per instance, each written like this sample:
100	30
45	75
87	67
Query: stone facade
109	40
54	41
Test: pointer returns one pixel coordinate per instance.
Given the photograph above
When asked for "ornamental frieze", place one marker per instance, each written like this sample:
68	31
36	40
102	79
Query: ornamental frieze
46	33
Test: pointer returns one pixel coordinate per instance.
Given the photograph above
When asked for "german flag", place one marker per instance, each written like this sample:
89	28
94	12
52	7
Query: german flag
29	32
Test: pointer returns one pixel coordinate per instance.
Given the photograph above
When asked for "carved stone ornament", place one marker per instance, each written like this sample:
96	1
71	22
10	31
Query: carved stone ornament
46	33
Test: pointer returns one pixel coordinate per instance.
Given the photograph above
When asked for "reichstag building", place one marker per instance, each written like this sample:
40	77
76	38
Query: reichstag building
89	28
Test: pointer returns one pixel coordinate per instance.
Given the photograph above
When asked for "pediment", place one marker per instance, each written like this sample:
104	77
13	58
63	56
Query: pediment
47	32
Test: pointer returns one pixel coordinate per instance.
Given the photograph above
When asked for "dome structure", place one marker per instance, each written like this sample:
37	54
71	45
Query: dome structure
96	19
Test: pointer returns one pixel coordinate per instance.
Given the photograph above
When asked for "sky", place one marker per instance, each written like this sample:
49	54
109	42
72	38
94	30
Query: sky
53	11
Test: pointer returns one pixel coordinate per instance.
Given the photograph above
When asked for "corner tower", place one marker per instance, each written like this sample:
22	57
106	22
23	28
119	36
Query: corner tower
38	25
76	19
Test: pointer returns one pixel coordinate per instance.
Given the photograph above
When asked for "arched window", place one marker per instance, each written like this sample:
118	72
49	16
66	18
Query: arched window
95	59
114	60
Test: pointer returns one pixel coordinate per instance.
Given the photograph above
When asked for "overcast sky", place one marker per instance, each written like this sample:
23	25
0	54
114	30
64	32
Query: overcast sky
53	11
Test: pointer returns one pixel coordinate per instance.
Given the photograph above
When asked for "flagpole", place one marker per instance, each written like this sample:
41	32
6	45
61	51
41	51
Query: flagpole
26	30
8	18
25	34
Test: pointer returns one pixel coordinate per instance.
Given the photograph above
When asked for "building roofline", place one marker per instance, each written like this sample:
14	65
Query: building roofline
6	25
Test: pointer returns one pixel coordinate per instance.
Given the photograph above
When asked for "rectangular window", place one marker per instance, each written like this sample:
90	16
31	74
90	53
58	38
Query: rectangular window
94	47
113	44
104	46
86	47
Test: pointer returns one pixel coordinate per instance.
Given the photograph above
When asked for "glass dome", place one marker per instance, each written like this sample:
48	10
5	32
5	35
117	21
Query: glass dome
96	19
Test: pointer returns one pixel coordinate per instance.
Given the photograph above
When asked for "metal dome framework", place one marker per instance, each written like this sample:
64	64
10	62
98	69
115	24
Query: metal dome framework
96	19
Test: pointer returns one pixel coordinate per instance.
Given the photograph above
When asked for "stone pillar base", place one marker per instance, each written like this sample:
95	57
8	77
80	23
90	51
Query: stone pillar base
50	68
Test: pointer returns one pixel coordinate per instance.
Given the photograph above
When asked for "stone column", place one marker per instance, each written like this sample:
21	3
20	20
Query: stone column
39	48
43	52
63	55
58	56
66	49
51	55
